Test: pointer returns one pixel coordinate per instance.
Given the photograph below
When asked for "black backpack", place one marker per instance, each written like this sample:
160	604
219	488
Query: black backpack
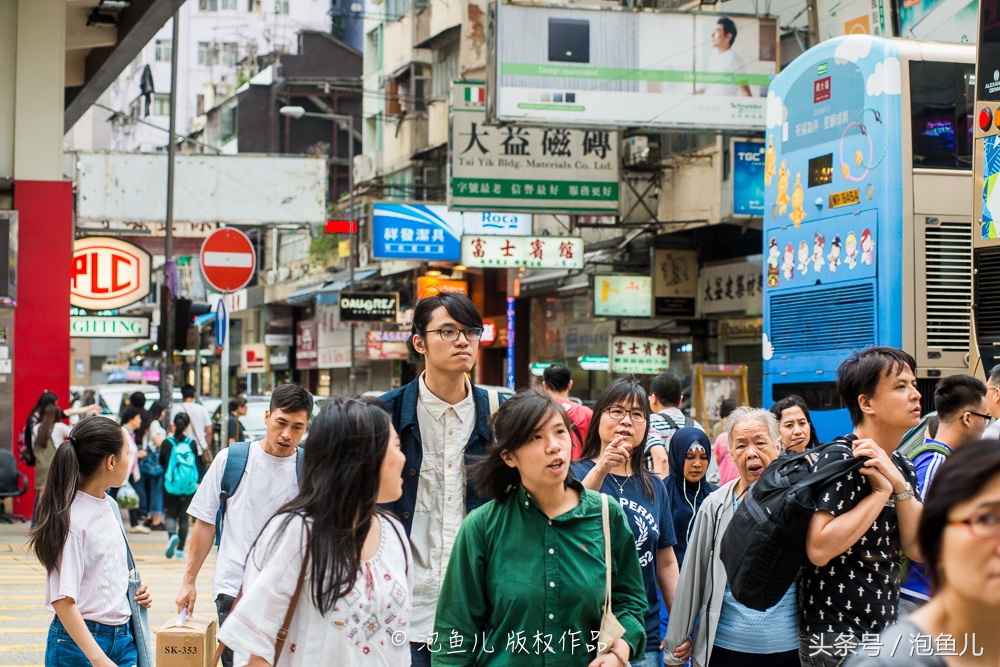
764	546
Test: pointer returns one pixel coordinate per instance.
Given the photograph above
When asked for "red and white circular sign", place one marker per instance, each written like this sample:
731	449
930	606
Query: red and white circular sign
228	259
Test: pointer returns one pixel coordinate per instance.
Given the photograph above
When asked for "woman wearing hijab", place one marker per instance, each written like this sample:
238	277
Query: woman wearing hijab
686	485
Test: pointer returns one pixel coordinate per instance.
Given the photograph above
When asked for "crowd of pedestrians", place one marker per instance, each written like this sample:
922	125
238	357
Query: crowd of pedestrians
443	525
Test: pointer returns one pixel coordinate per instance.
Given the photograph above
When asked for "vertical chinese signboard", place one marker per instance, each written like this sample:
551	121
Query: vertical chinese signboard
536	252
526	169
640	355
675	282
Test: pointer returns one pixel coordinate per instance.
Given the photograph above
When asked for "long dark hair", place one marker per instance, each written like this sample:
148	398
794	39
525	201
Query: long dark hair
338	490
621	391
513	425
960	478
794	401
90	443
181	422
50	415
148	417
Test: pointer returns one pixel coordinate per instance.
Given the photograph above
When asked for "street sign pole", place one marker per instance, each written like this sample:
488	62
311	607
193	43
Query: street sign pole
222	329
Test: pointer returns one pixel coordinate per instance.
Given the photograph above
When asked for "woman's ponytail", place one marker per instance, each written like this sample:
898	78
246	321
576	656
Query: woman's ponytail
90	443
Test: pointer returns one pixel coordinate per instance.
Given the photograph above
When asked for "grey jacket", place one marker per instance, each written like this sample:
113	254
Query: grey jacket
702	585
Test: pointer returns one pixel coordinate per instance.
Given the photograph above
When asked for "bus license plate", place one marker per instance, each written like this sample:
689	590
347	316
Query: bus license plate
845	198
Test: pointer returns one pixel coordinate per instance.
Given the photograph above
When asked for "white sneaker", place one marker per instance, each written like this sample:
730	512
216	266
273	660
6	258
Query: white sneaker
179	554
139	528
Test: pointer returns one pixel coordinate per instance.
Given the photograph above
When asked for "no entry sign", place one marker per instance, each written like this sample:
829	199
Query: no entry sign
228	259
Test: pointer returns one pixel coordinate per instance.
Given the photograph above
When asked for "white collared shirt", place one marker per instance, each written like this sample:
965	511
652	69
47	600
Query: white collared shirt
445	430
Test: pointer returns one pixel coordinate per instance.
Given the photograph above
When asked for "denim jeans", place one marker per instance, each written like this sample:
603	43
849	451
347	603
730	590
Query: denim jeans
419	655
650	659
223	605
150	490
115	640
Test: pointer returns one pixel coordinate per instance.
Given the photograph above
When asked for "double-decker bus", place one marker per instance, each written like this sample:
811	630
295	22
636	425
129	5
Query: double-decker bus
868	214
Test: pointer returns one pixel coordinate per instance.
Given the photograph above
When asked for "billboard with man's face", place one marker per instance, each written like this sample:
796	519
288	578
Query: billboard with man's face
558	66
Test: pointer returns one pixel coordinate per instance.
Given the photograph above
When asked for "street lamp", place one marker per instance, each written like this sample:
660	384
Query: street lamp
299	112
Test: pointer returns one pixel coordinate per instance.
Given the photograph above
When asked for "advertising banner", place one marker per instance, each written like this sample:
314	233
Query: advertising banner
108	273
623	296
430	232
641	355
732	288
388	345
748	178
253	358
89	326
307	344
527	169
558	66
855	17
536	252
369	306
675	282
939	20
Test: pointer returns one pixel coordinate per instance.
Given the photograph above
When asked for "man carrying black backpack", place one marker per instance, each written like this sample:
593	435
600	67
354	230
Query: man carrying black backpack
849	591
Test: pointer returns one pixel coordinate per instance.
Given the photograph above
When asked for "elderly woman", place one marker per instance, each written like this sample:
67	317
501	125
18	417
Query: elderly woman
727	633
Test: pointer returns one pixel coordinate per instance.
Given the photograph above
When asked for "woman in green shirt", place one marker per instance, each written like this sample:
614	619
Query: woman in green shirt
525	583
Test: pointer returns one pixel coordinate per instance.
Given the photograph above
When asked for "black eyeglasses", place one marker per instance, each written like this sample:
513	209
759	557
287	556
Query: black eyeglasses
988	418
450	335
618	413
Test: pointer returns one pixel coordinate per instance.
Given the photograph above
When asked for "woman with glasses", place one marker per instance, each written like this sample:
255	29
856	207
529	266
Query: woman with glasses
443	424
612	463
959	538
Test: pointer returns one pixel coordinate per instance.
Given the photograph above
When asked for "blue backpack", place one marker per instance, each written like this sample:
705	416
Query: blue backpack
236	464
181	478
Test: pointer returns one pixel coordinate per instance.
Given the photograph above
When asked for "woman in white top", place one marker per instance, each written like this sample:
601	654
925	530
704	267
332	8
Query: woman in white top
80	543
354	607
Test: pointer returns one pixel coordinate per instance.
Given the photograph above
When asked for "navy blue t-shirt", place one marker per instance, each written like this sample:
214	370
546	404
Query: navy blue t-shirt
653	526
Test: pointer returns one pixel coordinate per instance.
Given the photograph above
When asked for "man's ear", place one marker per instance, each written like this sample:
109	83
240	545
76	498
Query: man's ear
570	387
865	403
418	343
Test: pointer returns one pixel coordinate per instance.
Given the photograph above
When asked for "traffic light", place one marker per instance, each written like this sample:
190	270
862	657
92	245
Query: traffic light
185	311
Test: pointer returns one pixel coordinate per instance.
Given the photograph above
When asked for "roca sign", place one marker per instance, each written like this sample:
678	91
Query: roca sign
369	306
108	273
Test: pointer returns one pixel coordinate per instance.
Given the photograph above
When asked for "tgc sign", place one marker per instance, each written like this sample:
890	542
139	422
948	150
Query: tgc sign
108	273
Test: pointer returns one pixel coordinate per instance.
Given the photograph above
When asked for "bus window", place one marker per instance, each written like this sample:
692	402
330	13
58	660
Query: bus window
941	105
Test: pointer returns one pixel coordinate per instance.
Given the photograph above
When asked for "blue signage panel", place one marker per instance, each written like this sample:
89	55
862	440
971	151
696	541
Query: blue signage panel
416	231
748	178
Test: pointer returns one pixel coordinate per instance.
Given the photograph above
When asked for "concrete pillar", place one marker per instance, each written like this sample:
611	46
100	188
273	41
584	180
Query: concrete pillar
44	202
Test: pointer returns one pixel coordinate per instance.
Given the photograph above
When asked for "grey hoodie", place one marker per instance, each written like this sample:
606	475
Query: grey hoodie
702	585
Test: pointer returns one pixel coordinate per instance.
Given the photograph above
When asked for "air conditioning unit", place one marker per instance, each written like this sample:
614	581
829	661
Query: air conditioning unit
640	151
364	167
283	273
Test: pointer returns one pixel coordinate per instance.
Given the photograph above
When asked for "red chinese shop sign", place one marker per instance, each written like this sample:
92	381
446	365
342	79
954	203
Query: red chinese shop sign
108	273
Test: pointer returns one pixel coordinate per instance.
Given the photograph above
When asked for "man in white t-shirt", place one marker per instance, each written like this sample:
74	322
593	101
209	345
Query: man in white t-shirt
269	481
722	59
200	429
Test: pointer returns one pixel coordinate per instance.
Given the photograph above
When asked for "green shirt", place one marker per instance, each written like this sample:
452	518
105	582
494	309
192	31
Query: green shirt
522	589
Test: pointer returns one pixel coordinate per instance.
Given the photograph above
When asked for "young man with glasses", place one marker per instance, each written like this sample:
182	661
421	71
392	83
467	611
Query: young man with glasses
443	424
960	401
992	431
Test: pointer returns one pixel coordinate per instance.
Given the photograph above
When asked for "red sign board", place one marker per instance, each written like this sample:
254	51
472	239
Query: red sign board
341	227
228	259
108	273
821	90
489	332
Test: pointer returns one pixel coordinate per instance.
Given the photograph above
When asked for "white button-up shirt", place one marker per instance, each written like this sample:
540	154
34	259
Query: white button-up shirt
445	430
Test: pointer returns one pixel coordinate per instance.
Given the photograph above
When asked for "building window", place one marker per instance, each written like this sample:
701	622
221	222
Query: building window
228	123
209	5
253	6
281	48
161	104
281	6
200	104
208	53
230	54
162	51
396	9
229	4
445	70
135	109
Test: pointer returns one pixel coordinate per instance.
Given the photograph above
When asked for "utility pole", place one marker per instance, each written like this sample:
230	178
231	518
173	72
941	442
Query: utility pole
352	378
167	374
813	17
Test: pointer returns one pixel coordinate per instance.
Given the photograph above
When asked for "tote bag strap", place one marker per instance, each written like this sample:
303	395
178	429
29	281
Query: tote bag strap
607	551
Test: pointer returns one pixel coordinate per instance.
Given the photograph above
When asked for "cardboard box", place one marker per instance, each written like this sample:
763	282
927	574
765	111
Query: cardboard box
192	645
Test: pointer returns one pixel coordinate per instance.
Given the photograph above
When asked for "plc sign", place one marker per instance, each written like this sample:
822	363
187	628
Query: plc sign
108	273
